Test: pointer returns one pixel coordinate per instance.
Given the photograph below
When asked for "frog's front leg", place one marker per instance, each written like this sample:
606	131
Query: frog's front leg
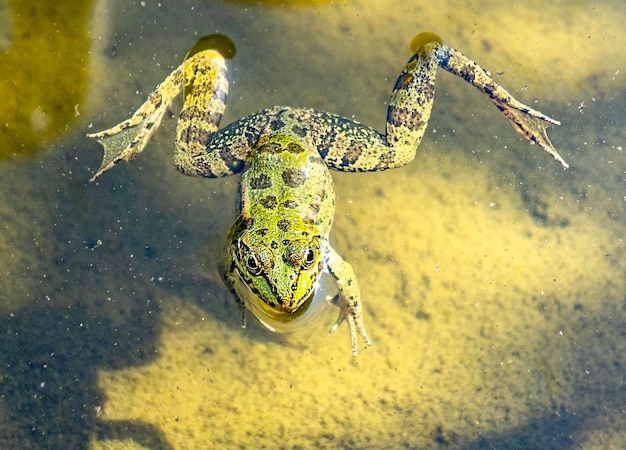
349	299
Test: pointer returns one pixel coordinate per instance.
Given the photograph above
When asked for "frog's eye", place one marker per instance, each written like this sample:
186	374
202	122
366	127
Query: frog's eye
252	264
308	258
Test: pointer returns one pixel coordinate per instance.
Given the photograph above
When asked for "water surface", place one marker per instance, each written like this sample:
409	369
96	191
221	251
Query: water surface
492	279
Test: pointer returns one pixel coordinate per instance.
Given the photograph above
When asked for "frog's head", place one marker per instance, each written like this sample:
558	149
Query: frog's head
274	263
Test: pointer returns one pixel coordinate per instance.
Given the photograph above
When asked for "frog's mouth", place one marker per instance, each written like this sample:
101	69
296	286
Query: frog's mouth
281	321
272	316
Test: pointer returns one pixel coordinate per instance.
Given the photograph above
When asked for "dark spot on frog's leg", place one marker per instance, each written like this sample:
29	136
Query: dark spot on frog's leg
352	153
468	73
274	245
399	116
293	177
261	232
197	134
388	159
325	141
283	224
490	88
263	181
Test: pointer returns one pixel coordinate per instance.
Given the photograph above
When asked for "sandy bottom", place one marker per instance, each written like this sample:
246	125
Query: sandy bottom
493	281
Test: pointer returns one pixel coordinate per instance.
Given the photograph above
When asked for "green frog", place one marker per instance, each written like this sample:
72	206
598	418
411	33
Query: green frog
278	247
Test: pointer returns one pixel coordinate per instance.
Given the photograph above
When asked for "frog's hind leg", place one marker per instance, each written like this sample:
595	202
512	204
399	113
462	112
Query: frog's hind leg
528	122
349	146
127	139
206	89
203	77
412	99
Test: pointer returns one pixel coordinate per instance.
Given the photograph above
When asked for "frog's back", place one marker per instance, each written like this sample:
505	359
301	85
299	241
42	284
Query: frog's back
284	171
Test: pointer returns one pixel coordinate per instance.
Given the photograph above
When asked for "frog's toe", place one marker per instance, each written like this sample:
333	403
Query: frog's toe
355	324
340	319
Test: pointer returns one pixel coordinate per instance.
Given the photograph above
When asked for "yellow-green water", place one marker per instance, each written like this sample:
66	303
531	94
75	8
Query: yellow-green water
493	281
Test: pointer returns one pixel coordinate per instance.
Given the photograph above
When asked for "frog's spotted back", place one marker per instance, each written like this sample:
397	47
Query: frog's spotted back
278	246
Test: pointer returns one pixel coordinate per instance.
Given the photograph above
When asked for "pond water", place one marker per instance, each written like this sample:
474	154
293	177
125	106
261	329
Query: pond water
493	280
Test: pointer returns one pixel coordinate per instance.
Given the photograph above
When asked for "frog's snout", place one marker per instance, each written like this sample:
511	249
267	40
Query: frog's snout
288	303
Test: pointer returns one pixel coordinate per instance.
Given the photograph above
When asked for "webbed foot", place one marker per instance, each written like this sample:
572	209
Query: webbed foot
531	124
127	139
528	122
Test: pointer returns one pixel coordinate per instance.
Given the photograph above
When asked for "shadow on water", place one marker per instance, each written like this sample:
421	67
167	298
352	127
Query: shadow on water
548	433
53	348
49	359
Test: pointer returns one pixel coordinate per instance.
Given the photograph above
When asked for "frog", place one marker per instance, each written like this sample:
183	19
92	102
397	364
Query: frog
278	247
